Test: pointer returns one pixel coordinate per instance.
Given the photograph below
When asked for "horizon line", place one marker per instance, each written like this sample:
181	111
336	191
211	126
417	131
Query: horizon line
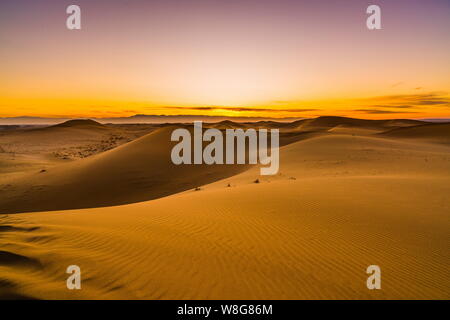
220	118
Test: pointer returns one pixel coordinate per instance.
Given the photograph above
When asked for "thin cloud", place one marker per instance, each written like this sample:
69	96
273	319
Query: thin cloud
393	106
242	109
376	111
396	84
410	101
433	102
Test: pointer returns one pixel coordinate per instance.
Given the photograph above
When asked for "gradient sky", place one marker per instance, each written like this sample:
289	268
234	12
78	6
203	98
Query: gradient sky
277	58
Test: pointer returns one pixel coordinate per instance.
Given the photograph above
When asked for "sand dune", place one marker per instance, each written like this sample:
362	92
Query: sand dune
438	132
78	123
137	171
64	140
30	149
67	131
348	125
339	204
70	140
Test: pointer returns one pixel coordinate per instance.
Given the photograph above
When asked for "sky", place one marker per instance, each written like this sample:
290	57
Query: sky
269	58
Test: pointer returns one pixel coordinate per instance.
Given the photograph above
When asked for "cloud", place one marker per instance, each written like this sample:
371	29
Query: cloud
418	102
396	84
393	106
432	102
242	109
376	111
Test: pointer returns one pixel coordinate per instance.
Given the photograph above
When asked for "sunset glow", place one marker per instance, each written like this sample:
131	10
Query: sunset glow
236	58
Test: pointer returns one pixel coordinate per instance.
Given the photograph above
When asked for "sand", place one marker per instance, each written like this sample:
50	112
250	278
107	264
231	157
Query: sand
343	200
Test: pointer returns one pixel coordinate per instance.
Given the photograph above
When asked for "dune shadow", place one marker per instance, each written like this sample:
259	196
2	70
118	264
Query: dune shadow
16	260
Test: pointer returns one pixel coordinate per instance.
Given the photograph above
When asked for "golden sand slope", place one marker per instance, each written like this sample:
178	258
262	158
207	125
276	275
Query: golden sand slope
137	171
339	204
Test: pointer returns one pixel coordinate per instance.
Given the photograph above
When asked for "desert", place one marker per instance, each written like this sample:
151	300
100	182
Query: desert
349	193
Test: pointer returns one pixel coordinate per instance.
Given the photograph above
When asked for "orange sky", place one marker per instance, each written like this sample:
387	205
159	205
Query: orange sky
239	58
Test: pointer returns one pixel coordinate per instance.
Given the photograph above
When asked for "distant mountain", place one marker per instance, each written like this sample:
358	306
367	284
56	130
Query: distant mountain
327	121
139	118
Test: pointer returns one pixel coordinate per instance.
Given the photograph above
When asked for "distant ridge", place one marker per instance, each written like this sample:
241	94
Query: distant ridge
332	121
79	123
439	131
139	118
309	124
436	119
